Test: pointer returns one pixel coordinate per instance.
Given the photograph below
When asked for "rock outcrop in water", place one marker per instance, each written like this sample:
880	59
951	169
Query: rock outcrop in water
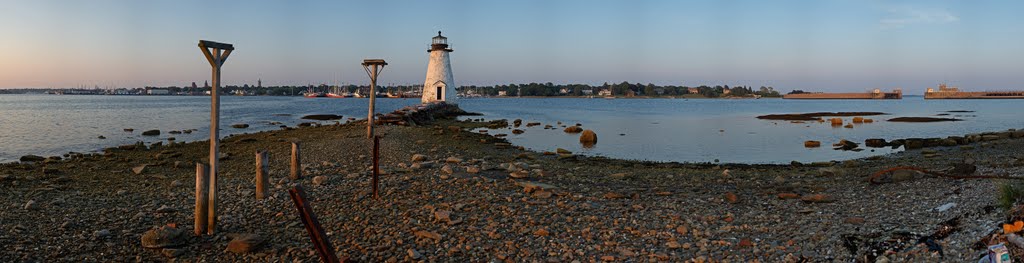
922	119
815	115
422	114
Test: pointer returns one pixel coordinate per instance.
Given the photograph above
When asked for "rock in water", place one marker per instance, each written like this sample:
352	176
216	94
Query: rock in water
151	133
240	126
875	143
846	145
588	137
812	144
573	129
32	158
163	236
244	243
322	117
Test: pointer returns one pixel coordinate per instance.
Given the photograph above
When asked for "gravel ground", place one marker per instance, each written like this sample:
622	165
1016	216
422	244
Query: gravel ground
460	204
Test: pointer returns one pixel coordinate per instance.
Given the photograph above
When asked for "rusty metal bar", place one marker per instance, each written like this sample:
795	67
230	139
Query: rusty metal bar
316	233
376	167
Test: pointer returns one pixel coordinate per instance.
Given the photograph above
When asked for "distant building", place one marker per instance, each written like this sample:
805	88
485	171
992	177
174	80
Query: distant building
502	93
156	91
588	92
605	92
630	93
726	91
693	90
659	91
563	91
259	83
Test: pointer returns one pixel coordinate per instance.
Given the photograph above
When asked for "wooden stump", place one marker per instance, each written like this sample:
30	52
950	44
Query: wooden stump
376	167
296	164
202	190
262	174
211	205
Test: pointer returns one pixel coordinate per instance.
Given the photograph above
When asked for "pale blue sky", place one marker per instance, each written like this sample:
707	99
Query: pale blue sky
826	45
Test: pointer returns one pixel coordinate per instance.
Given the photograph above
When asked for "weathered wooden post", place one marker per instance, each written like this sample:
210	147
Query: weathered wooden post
202	179
296	164
376	169
373	68
262	176
216	53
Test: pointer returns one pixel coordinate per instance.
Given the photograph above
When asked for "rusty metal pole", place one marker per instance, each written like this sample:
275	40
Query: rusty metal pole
216	53
376	167
316	233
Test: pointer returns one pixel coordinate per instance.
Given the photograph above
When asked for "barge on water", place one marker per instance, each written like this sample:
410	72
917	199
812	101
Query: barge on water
945	92
876	94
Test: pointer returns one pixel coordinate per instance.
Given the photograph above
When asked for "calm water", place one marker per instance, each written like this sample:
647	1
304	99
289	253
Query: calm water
642	129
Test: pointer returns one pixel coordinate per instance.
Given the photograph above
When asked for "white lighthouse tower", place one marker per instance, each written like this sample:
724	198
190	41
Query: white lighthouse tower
440	85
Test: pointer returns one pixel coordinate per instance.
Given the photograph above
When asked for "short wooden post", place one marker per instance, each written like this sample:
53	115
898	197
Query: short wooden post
202	179
262	174
376	169
296	164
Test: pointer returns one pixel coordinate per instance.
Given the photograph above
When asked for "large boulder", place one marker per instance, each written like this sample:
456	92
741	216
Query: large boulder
151	133
244	243
573	129
164	236
588	137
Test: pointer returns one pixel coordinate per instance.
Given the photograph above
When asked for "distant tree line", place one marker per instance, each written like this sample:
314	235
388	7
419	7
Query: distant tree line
621	89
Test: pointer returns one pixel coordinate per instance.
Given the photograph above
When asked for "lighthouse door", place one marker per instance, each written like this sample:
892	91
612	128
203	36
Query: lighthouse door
438	92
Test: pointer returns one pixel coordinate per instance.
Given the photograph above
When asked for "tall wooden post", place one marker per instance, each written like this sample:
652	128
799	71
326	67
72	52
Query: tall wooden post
216	53
373	68
202	179
262	176
296	162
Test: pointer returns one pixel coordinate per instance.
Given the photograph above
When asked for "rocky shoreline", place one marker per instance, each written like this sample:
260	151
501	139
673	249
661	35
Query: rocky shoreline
453	195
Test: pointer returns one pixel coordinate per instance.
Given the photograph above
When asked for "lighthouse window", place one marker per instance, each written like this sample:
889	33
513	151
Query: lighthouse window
438	93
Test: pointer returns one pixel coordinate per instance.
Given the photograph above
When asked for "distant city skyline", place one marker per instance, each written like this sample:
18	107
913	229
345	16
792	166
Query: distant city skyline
832	45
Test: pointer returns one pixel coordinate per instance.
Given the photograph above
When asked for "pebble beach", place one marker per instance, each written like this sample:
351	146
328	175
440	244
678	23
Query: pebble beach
449	194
